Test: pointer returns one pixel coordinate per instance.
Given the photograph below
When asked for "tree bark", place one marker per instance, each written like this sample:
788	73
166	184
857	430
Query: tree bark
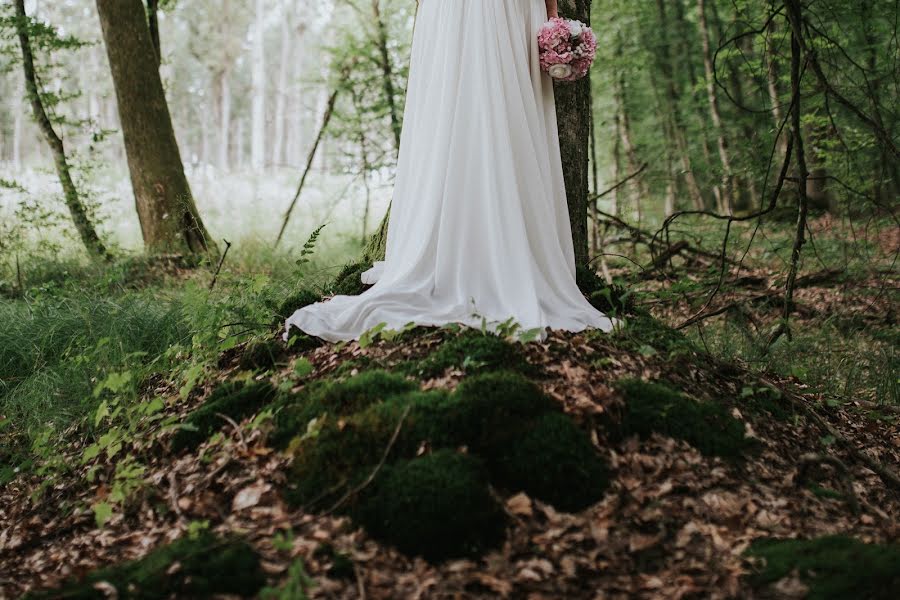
715	113
573	110
153	23
169	219
82	222
258	130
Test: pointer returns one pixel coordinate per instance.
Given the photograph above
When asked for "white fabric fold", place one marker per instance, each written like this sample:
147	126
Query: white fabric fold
479	231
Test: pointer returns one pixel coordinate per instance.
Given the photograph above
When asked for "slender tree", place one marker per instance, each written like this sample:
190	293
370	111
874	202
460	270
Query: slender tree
169	219
83	225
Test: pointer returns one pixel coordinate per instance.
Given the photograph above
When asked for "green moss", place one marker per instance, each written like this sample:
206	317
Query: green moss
340	454
437	506
486	410
188	568
261	355
473	352
294	302
553	460
610	299
657	408
643	333
348	281
234	399
335	397
834	567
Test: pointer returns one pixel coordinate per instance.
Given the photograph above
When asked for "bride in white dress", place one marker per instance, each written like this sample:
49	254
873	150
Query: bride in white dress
479	228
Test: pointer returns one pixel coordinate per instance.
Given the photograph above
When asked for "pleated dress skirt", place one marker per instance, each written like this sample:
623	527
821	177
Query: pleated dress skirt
479	230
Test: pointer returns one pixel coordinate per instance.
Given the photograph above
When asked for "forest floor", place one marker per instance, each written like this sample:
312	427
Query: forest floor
681	516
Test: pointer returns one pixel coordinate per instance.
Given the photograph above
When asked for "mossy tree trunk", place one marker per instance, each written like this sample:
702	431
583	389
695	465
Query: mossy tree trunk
72	199
169	220
573	109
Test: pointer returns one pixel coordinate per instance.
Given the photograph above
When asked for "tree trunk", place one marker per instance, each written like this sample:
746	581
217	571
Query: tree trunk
258	130
573	110
153	23
83	225
672	107
169	219
225	119
715	113
282	91
17	129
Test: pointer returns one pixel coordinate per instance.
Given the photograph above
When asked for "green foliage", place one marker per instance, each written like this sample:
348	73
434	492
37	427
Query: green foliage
262	355
200	567
472	352
613	300
437	506
348	282
657	408
834	567
552	459
234	399
647	335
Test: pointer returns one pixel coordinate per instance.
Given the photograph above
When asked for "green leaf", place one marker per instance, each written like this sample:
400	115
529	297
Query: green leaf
102	412
303	367
103	512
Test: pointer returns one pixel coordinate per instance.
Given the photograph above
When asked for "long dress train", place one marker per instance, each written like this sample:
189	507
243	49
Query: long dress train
479	226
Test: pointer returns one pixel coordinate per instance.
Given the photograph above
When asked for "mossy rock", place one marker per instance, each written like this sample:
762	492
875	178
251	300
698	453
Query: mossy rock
437	506
348	282
554	461
473	352
609	299
261	355
833	567
707	426
200	567
234	399
335	397
643	333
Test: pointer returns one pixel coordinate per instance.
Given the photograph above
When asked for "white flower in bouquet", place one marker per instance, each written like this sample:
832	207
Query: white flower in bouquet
560	71
576	28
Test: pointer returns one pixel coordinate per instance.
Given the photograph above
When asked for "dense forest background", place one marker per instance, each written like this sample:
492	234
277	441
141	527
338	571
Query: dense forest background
178	176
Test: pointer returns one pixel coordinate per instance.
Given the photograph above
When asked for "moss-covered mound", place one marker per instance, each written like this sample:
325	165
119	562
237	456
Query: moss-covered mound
554	461
261	355
295	301
200	567
437	506
339	397
834	567
348	282
707	426
472	352
234	399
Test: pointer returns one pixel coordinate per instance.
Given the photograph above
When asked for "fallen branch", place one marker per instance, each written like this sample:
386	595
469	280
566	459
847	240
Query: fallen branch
215	278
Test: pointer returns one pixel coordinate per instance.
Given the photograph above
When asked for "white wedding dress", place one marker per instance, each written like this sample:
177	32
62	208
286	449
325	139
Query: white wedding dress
479	226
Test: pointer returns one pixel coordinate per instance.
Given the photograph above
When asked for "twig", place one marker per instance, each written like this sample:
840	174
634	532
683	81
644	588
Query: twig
609	191
808	461
237	428
377	468
215	278
19	275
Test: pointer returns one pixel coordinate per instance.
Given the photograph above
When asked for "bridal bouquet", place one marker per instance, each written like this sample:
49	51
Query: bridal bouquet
567	49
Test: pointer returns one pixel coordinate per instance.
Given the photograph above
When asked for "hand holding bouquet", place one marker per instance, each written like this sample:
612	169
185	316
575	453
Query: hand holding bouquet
567	49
